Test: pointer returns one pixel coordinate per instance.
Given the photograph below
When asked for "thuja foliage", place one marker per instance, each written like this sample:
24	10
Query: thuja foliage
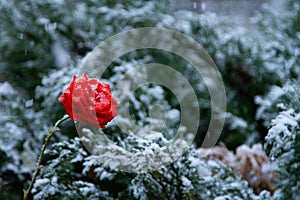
60	33
74	173
279	108
42	43
281	113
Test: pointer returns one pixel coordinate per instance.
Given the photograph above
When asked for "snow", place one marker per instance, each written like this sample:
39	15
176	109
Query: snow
281	134
186	182
20	122
43	21
86	189
236	122
29	103
270	99
61	56
223	198
202	168
139	192
173	115
6	89
89	162
283	121
104	175
78	158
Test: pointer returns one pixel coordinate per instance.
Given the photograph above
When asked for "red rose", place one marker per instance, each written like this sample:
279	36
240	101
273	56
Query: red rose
88	100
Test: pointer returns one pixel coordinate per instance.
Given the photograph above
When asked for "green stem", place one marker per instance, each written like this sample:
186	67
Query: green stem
39	163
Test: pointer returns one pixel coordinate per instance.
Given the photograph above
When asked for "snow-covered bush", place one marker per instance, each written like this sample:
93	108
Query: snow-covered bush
282	114
63	177
50	88
22	132
279	108
41	44
281	38
61	31
74	173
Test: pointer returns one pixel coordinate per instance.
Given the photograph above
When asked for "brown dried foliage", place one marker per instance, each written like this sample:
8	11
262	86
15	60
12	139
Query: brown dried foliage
251	163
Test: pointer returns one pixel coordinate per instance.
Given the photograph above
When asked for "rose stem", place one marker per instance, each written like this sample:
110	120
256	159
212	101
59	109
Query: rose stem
39	163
